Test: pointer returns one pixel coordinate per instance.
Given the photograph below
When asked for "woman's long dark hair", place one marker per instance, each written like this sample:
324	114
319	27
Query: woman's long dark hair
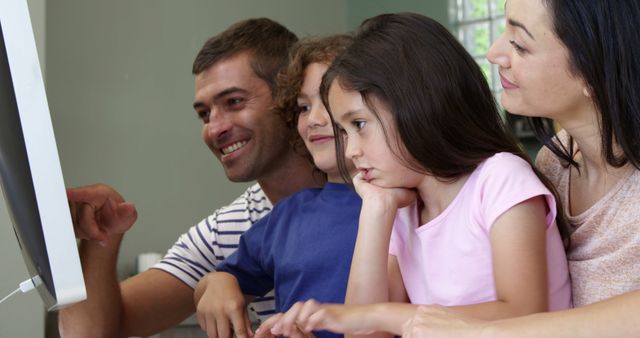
444	113
602	40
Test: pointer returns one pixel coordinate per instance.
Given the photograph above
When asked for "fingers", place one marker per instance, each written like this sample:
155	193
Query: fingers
88	227
241	324
264	331
286	326
224	331
308	309
96	193
98	212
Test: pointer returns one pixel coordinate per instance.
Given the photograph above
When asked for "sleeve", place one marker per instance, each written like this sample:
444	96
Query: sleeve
506	181
206	244
195	253
247	264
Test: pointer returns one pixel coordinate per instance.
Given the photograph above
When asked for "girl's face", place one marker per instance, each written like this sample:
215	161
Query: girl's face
314	123
365	140
533	65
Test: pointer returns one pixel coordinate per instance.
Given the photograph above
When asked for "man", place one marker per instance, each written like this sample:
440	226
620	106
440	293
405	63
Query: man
234	83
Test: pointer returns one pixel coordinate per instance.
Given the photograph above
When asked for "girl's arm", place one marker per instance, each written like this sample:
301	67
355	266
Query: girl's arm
369	275
358	319
374	277
518	248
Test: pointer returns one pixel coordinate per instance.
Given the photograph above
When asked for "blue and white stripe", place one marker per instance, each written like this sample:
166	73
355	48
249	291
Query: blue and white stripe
198	251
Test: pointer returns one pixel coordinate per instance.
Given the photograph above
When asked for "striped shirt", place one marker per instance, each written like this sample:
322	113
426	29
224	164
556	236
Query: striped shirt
213	239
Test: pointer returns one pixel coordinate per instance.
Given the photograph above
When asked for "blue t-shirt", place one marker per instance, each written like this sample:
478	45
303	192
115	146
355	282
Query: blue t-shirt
302	249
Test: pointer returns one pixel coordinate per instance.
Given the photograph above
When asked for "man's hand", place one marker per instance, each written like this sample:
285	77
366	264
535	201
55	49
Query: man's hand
219	303
98	211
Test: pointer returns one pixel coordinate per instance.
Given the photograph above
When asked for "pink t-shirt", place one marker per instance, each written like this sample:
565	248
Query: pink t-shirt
448	260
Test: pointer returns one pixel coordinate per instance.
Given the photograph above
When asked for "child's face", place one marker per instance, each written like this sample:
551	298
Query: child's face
365	140
314	123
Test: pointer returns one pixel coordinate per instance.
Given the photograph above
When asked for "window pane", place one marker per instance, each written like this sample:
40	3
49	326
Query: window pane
486	69
498	27
497	7
474	9
495	84
475	38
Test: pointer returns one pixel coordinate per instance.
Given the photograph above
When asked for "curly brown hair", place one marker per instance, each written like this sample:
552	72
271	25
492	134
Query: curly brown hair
289	80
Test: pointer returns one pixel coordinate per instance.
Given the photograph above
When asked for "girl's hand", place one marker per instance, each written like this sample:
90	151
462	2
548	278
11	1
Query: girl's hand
389	197
312	316
435	321
271	329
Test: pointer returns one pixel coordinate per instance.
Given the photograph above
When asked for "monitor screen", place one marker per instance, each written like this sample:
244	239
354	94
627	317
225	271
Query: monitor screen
30	171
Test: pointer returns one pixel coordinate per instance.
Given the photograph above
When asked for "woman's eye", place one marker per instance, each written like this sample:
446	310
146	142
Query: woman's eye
517	47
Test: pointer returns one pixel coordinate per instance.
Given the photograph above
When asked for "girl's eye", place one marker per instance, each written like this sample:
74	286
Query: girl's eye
519	49
303	108
359	124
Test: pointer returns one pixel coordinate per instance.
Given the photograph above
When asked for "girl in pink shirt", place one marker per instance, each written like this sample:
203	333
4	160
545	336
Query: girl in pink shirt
453	212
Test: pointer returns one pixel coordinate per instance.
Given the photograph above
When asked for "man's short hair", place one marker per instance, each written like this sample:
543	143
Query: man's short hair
267	41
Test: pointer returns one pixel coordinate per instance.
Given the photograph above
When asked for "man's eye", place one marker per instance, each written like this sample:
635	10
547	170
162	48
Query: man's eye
203	115
232	102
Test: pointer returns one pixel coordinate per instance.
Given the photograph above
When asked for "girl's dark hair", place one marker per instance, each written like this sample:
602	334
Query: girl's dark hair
601	38
289	80
444	113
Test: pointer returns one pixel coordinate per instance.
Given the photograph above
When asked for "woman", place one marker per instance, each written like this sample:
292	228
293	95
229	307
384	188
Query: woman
571	62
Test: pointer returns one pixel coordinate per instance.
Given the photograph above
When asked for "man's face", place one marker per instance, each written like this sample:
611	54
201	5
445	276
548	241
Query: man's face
234	104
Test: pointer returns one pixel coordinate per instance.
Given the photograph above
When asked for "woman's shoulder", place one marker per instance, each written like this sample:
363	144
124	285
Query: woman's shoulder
549	163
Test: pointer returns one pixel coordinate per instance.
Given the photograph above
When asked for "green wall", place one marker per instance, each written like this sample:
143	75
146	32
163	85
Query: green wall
358	10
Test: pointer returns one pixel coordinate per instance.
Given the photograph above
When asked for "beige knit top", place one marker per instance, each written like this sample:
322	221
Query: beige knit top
604	256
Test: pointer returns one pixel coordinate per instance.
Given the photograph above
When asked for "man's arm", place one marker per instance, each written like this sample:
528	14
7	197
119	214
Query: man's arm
146	303
141	305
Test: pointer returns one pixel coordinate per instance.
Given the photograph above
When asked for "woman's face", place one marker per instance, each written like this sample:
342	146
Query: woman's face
533	65
314	123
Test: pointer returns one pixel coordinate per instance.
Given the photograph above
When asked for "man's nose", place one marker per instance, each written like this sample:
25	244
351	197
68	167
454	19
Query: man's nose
218	125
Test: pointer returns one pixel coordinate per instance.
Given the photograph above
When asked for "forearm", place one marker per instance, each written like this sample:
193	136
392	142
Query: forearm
390	317
368	282
496	310
615	317
99	315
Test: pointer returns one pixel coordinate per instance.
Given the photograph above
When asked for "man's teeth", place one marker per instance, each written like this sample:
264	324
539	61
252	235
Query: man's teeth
233	147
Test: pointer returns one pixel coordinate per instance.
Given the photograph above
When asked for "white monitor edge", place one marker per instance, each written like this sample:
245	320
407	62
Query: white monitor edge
42	154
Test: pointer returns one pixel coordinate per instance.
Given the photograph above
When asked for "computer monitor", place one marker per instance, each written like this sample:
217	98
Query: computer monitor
30	170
